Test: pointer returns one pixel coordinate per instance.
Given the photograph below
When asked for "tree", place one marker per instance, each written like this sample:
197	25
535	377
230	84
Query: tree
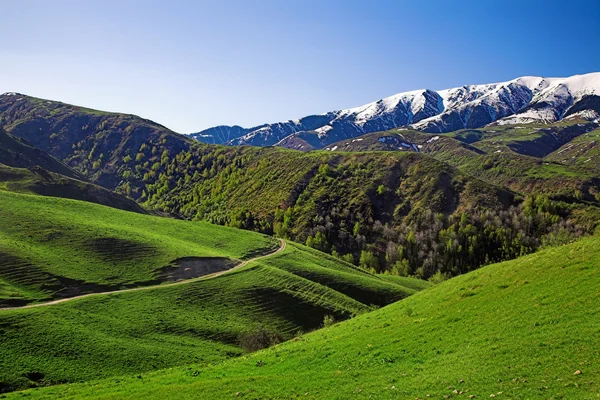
368	261
319	242
356	229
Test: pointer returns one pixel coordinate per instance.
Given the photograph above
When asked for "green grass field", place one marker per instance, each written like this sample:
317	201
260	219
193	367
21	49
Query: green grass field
516	330
140	331
50	245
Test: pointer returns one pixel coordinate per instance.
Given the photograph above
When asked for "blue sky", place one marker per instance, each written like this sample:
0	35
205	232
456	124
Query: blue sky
194	64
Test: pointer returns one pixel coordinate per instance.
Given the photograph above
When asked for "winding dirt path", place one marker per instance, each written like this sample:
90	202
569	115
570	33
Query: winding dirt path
209	276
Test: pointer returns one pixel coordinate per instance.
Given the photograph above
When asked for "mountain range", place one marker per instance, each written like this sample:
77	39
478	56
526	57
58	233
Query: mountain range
523	100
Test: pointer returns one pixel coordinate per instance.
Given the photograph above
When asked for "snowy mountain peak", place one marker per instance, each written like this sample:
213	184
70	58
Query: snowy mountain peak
521	100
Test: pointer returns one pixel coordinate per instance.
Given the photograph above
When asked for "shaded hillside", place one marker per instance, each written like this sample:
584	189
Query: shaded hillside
90	141
27	169
39	181
16	152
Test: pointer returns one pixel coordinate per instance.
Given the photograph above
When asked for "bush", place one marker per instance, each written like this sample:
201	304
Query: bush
328	320
259	339
438	277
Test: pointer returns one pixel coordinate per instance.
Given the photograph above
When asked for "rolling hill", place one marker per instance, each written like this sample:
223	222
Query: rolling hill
519	329
56	249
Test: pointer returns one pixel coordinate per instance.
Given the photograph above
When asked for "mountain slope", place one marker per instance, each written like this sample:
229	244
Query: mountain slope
582	153
522	100
27	169
524	329
522	157
90	141
16	152
383	211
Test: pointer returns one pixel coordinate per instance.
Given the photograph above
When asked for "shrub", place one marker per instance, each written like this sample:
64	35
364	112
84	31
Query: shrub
438	277
259	339
328	320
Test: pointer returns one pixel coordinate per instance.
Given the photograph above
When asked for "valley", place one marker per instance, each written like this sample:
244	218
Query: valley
287	290
135	261
283	200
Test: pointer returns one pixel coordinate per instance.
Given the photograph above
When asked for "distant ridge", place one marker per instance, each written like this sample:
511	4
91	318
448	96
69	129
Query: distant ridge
523	100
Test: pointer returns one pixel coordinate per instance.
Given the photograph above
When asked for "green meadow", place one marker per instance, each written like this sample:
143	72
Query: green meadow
50	243
521	329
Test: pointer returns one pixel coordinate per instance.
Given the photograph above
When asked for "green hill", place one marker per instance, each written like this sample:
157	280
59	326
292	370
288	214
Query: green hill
524	158
53	248
39	181
523	329
581	153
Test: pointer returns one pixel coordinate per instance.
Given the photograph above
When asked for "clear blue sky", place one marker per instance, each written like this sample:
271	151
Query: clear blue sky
193	64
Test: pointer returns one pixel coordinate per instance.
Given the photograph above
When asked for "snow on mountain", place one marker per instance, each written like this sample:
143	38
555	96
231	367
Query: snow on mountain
522	100
553	100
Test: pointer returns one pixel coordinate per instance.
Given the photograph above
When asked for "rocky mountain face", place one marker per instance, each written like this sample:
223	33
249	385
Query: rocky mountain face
522	100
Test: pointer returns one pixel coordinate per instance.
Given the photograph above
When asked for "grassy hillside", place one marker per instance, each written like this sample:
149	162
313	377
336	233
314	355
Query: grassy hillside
53	248
343	277
39	181
197	322
581	153
523	329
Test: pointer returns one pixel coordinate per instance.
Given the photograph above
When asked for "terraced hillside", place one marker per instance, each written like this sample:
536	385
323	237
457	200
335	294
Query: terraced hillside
201	321
523	329
54	248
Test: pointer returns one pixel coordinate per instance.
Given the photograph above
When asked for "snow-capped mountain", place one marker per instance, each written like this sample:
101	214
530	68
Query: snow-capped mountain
522	100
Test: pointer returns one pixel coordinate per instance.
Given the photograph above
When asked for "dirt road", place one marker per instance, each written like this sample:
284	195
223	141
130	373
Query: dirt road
209	276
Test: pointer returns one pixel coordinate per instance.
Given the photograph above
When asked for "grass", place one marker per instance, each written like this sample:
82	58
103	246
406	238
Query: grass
516	330
581	153
197	322
343	277
48	244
